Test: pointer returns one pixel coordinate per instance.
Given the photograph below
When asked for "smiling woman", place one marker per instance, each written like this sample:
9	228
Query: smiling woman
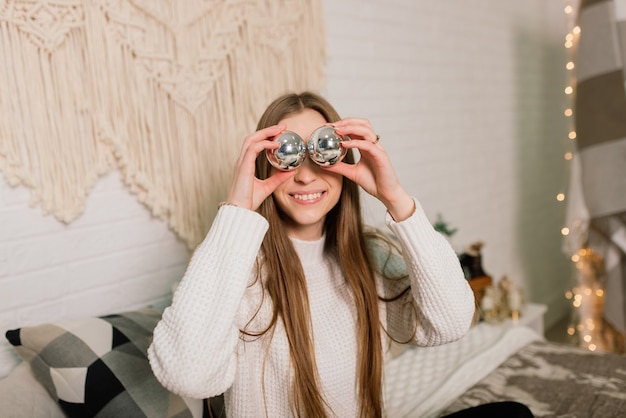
293	298
307	196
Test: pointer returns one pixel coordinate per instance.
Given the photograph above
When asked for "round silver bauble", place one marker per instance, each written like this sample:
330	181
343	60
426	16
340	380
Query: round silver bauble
290	154
324	148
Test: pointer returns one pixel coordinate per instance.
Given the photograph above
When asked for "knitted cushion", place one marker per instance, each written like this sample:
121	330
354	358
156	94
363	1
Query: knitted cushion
97	367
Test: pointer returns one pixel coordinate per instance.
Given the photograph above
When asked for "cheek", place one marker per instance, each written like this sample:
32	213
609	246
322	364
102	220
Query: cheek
279	191
336	181
272	171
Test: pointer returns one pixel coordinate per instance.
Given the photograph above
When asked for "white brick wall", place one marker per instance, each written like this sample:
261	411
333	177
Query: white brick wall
467	97
116	256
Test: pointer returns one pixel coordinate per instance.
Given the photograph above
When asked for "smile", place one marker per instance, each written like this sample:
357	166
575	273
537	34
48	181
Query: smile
309	196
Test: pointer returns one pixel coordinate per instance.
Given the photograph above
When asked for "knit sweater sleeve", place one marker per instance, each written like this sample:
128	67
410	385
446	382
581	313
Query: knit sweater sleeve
193	352
439	293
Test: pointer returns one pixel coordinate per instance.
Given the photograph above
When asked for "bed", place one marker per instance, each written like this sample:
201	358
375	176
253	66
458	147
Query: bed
499	363
98	367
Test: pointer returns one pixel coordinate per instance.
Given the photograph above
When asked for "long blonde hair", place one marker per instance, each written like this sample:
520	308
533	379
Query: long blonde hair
286	284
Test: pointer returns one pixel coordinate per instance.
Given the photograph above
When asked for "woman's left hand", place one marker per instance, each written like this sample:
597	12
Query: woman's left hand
374	171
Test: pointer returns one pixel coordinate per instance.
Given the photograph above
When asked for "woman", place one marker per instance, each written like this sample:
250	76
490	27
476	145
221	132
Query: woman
289	304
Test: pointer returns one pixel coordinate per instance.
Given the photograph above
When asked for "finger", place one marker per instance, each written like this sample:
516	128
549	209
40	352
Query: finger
367	146
269	185
353	121
258	141
357	131
276	179
271	131
268	133
346	170
372	154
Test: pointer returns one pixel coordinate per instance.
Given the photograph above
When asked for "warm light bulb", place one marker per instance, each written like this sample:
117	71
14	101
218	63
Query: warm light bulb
599	292
568	295
571	330
568	44
569	90
592	347
565	231
587	338
570	65
568	9
568	112
575	259
572	135
568	156
576	30
560	197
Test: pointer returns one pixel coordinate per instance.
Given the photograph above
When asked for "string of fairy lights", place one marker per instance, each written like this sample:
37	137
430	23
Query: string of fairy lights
570	43
587	295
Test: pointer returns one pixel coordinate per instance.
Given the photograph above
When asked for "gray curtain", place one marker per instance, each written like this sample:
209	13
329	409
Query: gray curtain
600	115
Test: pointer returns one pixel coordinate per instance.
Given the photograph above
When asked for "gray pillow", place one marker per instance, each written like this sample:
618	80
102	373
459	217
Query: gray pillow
98	367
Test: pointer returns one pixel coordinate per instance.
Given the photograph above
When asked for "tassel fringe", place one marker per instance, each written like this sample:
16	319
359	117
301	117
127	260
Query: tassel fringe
164	91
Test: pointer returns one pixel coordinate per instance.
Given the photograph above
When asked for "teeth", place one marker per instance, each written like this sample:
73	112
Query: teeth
309	196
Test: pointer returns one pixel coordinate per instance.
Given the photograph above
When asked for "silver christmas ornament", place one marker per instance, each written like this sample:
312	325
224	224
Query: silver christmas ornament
290	154
324	148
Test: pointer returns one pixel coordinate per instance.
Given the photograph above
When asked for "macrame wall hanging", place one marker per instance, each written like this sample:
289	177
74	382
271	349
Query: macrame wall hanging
163	90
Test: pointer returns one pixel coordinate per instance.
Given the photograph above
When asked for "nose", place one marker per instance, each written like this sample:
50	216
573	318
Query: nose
306	172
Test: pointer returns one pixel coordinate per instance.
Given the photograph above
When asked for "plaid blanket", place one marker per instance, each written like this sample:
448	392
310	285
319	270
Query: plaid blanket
555	380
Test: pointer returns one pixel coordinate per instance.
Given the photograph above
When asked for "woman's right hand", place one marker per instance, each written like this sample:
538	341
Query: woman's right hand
246	190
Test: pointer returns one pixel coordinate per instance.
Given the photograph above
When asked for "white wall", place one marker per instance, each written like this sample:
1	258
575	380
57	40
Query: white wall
467	97
115	257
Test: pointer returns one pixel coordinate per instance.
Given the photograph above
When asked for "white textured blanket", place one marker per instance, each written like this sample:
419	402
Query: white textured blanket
422	381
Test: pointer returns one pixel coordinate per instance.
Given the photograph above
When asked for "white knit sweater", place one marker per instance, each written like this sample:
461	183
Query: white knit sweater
199	352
